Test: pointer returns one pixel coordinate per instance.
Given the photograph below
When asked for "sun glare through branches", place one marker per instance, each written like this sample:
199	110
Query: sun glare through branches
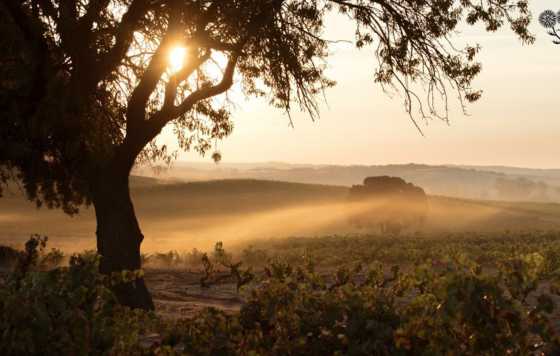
177	57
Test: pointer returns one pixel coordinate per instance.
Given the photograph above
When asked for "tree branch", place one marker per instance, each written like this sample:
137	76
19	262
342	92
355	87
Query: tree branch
93	13
66	24
177	78
123	38
158	64
48	9
210	91
171	112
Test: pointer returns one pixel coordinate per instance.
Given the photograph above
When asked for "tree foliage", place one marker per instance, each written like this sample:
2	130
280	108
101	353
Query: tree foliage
86	84
389	203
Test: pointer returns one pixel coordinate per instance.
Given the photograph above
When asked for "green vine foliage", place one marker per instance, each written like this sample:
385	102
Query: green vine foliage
457	309
64	311
450	306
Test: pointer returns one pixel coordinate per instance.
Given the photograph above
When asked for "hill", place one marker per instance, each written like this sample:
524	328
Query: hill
182	216
549	176
488	183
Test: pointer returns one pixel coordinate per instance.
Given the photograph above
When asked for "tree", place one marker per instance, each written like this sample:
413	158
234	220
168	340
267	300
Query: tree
86	85
521	189
389	203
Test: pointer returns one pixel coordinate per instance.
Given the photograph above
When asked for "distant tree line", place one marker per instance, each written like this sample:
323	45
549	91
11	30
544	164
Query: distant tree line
524	189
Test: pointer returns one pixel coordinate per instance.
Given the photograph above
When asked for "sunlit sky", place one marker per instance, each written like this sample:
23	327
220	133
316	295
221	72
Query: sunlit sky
516	123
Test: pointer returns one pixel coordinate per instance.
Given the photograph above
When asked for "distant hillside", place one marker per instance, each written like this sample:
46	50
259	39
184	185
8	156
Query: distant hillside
159	196
549	176
231	196
495	183
188	214
184	215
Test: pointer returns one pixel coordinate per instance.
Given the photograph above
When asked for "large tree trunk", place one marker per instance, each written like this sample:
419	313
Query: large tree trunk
119	236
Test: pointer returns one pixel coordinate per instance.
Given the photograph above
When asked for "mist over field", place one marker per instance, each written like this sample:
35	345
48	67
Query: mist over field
176	214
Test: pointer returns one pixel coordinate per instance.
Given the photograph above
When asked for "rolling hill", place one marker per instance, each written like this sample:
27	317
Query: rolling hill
476	182
182	216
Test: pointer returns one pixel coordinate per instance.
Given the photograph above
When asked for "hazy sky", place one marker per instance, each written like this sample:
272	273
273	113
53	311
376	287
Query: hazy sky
516	122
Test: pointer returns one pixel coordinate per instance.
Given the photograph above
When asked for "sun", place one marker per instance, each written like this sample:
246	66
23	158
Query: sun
177	58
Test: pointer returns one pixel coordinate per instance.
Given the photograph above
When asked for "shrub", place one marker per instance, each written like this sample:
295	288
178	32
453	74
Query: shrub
64	311
8	257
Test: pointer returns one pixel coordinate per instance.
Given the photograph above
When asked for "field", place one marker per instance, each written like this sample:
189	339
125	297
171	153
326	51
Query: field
306	268
175	277
182	216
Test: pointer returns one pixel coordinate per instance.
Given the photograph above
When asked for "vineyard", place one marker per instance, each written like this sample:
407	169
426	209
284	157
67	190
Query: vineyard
467	294
130	226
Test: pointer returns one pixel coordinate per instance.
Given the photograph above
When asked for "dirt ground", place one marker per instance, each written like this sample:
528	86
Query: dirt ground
178	294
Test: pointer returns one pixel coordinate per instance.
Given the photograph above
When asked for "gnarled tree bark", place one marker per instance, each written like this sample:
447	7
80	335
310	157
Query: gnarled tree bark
119	236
